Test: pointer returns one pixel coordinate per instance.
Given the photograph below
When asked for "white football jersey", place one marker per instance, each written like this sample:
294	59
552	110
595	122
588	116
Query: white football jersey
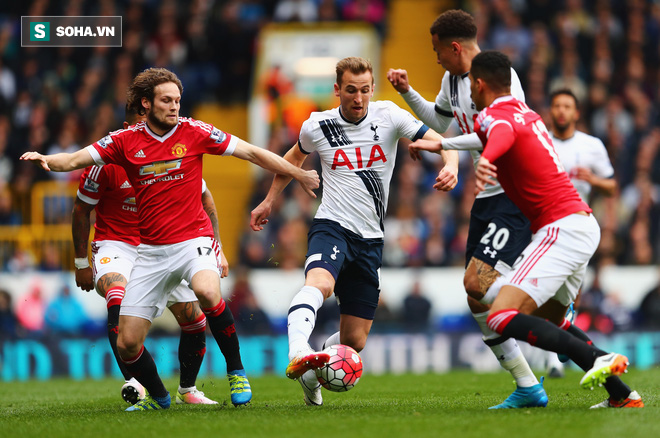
455	101
357	161
583	150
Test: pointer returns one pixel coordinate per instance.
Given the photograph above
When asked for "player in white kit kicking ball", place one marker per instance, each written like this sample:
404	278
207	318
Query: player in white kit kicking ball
357	145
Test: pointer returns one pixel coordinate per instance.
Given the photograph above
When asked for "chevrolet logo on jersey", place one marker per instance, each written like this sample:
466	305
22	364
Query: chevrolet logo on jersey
160	167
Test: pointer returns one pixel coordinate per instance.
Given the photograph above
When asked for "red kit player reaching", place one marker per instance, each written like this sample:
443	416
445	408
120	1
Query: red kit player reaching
530	302
163	161
106	191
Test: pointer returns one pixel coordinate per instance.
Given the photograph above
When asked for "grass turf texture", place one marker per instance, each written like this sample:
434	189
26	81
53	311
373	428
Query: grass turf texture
451	405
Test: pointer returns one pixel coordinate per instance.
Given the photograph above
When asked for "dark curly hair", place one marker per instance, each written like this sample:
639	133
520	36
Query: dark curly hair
143	86
493	67
454	24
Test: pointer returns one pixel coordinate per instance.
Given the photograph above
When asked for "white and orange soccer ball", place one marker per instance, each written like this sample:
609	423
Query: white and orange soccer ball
343	370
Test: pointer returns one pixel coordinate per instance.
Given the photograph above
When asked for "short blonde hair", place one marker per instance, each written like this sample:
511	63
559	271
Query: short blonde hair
355	65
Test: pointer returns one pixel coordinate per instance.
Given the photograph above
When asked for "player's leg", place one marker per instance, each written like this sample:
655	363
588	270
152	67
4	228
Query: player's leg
130	343
620	394
301	319
152	280
326	253
200	258
192	346
553	266
112	262
497	235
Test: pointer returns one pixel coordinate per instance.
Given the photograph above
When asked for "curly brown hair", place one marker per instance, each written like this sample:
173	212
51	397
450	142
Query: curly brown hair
143	86
454	24
355	65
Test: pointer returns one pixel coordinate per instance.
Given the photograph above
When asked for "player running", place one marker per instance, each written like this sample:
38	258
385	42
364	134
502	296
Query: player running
357	145
162	158
584	158
106	191
546	279
498	231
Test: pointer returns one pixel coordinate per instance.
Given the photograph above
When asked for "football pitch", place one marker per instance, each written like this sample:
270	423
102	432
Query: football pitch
452	405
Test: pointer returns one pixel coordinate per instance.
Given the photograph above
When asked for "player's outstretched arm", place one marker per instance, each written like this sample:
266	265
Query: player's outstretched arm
209	207
80	226
308	179
60	162
259	216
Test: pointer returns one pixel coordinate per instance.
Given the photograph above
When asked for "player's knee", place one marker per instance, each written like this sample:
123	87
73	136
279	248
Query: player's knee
475	306
207	296
325	286
357	341
128	347
472	287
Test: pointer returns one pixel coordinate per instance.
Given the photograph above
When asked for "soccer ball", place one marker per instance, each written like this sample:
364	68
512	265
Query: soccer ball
343	370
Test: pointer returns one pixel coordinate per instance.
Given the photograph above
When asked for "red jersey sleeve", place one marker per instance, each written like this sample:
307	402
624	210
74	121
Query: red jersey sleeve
500	138
109	149
213	140
92	183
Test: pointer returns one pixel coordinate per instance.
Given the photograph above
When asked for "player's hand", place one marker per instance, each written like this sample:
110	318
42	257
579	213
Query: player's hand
258	217
309	181
224	265
36	156
485	172
85	279
399	80
584	174
415	147
446	179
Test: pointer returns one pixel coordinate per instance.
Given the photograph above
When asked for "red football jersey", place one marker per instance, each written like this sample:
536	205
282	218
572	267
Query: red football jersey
516	141
107	187
166	174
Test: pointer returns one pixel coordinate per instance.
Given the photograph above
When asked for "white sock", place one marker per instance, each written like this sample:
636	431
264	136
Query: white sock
185	390
332	340
302	317
508	354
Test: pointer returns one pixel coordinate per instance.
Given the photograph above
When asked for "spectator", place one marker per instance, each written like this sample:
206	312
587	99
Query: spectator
416	314
65	314
8	324
649	310
30	310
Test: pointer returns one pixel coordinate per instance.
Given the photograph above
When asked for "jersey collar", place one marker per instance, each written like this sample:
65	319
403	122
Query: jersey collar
353	123
501	99
161	139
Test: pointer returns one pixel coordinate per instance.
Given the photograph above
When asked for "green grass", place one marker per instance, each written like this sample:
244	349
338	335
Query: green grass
451	405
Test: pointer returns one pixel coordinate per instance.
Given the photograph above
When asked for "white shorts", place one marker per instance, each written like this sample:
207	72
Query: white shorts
554	263
159	270
113	256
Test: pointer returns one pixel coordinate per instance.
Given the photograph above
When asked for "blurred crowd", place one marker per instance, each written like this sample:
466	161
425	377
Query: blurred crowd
607	51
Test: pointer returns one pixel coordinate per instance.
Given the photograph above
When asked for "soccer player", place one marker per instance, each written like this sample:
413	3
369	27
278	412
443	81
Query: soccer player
106	190
546	279
584	158
498	231
357	145
162	158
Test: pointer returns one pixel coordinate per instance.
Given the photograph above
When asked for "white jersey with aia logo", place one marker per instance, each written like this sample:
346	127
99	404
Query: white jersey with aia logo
455	101
357	161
